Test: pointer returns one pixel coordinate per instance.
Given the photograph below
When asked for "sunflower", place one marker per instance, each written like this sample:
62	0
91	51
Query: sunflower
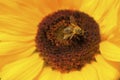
59	39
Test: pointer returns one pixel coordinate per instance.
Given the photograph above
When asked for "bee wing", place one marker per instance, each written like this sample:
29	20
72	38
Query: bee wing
68	30
67	36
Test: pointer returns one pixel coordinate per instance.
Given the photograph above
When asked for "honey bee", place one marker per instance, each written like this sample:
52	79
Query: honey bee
72	29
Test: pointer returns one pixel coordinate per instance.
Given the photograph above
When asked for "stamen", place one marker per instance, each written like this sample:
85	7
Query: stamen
67	40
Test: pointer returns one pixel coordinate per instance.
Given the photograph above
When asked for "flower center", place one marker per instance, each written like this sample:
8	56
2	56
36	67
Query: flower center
67	40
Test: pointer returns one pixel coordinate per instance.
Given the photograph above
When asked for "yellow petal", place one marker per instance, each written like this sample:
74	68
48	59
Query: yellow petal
105	12
104	70
49	5
70	4
114	36
89	72
99	70
30	3
20	8
5	59
86	73
103	8
95	8
76	75
109	20
49	74
7	48
24	69
17	38
39	8
44	8
89	6
7	6
110	51
17	24
116	65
